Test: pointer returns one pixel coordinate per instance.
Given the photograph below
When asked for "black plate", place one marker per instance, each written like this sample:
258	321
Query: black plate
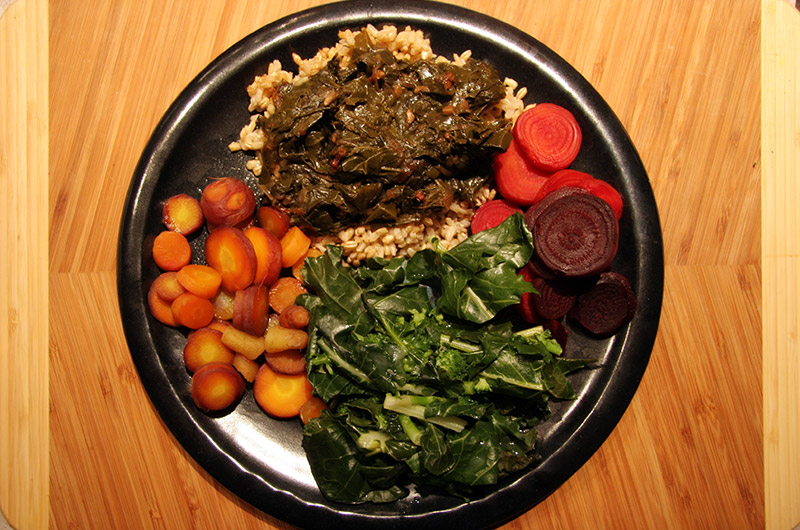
261	459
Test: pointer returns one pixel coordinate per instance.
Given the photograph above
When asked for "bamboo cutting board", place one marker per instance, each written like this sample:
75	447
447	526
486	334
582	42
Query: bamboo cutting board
702	434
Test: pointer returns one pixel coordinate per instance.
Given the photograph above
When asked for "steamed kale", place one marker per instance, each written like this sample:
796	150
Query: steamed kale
424	384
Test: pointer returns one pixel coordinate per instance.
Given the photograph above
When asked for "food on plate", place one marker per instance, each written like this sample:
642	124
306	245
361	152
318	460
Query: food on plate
216	387
183	214
227	202
492	213
348	291
549	136
517	179
575	234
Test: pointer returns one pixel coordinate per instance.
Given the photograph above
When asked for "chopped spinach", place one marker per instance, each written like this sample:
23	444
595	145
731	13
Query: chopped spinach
382	141
423	387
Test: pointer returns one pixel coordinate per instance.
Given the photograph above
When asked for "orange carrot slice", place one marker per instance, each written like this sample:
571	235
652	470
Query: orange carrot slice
230	253
171	250
294	246
201	280
268	255
192	311
182	213
280	395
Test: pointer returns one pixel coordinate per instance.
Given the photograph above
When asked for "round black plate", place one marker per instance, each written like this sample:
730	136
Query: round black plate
260	459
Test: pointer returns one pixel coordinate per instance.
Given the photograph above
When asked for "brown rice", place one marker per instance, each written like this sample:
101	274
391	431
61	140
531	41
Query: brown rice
363	242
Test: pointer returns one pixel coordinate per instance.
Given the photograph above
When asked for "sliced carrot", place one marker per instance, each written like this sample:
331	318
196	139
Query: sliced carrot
516	179
204	346
280	395
290	362
192	311
216	386
160	308
223	305
491	214
248	368
251	309
297	268
273	220
312	409
268	255
294	316
182	213
227	202
284	292
219	324
230	253
171	250
294	246
201	280
167	286
549	136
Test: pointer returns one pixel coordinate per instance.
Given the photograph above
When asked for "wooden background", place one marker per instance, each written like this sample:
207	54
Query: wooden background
710	439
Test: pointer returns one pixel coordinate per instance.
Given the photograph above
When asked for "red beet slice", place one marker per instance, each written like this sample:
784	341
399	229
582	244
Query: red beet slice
491	214
607	306
526	305
561	179
553	301
575	235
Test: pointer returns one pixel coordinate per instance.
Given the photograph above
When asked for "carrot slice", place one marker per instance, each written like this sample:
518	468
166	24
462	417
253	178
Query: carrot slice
491	214
280	395
517	180
171	250
268	255
549	136
182	213
167	286
227	202
160	308
312	409
204	346
192	311
273	220
294	246
201	280
230	253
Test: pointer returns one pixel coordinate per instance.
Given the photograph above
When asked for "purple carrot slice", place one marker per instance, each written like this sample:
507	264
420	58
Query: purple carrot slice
575	235
607	306
553	301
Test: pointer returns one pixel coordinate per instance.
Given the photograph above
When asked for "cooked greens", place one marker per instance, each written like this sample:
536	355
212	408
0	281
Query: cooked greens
424	385
381	141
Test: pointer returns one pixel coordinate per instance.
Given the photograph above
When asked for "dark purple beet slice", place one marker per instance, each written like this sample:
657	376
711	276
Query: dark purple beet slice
552	301
533	212
607	306
575	235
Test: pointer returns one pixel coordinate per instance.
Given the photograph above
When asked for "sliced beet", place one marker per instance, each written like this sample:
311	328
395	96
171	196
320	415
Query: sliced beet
607	306
553	300
533	212
526	306
575	235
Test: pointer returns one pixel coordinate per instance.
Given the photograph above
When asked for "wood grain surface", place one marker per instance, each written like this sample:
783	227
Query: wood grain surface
703	432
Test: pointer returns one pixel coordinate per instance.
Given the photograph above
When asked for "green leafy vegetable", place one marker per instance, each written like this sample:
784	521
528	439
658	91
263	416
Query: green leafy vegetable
424	384
381	141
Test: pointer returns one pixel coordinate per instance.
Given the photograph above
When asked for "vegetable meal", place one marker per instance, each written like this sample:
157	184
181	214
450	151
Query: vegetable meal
403	276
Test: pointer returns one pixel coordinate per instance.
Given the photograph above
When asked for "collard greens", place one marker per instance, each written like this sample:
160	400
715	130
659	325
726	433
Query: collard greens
424	385
382	141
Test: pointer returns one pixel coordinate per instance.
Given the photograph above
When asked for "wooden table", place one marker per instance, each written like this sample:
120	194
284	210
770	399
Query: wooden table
705	89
